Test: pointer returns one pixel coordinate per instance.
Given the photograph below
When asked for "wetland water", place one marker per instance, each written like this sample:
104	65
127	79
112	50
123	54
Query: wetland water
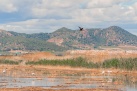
121	83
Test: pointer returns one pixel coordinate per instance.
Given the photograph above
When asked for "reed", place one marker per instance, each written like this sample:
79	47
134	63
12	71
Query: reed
127	63
10	62
75	62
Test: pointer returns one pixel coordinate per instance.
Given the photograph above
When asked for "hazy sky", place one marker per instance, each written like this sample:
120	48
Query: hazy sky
33	16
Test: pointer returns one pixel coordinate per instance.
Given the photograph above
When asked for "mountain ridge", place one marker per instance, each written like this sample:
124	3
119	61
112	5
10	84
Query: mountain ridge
66	39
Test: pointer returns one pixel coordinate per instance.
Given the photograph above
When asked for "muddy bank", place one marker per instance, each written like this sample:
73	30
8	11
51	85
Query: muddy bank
62	77
41	89
40	71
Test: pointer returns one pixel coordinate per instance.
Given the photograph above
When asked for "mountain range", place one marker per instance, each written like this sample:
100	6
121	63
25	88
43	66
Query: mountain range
66	39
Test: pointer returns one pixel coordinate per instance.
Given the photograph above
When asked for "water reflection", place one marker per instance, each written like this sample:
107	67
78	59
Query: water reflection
129	82
123	82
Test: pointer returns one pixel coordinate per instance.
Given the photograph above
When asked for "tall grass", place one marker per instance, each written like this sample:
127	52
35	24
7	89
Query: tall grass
128	64
77	62
10	62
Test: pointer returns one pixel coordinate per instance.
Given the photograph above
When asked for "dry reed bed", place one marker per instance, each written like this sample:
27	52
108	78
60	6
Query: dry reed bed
34	56
102	55
90	55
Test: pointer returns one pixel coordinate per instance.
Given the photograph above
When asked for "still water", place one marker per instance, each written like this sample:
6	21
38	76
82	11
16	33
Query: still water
121	83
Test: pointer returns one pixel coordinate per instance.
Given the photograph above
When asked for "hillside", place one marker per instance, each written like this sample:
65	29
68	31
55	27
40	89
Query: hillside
64	39
89	38
4	33
41	36
115	36
10	41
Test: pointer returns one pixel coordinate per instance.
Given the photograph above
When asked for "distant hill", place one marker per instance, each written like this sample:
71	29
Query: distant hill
41	36
92	38
66	39
20	41
4	33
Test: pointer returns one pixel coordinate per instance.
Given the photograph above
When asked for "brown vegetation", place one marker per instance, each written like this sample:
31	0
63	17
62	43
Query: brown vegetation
90	55
101	55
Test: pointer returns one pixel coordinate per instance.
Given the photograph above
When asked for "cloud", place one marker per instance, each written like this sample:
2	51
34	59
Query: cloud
50	7
49	15
7	6
134	8
104	3
28	26
86	11
10	27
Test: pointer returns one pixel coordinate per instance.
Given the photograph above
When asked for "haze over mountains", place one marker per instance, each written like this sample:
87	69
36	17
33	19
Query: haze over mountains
66	39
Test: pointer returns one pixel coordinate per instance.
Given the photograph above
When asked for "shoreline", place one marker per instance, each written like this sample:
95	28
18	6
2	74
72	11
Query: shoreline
66	72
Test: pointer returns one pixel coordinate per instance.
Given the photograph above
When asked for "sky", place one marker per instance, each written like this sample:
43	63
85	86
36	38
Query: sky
34	16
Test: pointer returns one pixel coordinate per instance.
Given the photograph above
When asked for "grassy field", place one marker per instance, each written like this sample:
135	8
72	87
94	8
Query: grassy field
121	63
77	62
127	63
